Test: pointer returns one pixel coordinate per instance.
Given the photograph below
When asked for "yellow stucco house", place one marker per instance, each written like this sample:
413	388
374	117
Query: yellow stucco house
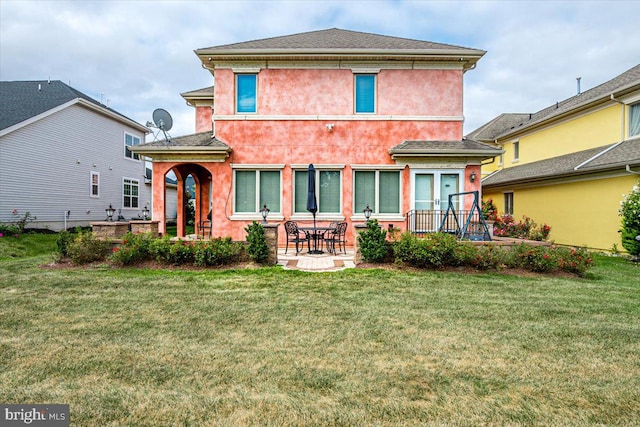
569	164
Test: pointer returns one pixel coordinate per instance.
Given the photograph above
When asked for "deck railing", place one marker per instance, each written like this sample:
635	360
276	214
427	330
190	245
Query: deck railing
421	222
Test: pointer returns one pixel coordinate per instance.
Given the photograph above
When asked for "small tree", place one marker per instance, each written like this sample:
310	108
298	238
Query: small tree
258	249
630	213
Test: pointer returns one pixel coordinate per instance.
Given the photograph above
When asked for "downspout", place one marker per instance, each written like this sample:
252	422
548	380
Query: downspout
630	171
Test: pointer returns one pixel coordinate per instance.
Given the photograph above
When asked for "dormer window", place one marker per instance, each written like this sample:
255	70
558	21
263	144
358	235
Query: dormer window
246	93
365	93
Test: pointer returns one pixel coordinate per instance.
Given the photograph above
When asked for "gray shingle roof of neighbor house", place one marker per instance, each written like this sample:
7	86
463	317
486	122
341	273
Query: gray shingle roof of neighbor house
506	124
608	157
22	100
466	147
337	42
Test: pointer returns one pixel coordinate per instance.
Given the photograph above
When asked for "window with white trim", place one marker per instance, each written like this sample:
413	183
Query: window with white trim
365	93
130	193
246	93
516	150
94	190
256	188
328	191
130	141
634	119
508	203
380	189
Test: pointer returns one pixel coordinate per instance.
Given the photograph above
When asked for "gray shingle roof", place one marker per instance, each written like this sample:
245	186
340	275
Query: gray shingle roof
205	92
613	156
336	39
203	139
495	127
626	80
22	100
465	147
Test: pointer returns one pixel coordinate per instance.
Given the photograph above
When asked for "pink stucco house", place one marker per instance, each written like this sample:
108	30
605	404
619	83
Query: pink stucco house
379	117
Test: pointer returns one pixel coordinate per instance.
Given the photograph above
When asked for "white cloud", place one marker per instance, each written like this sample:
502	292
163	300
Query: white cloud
139	54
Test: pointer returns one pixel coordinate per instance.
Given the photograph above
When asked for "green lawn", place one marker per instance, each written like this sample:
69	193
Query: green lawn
284	348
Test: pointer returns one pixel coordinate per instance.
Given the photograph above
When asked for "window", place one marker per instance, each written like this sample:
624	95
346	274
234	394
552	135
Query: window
508	203
255	188
634	119
365	93
516	150
95	184
246	93
130	141
328	191
378	189
501	160
130	192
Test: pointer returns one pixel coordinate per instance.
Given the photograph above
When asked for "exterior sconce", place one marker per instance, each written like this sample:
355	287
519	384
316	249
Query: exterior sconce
472	177
264	211
145	212
110	211
330	127
367	212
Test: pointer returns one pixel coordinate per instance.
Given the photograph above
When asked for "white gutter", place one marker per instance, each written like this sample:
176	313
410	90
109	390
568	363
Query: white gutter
630	171
623	111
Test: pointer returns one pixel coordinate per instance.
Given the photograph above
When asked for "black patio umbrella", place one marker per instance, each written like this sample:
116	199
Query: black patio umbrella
312	204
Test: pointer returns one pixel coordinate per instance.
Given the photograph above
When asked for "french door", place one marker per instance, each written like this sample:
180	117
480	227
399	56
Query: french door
430	194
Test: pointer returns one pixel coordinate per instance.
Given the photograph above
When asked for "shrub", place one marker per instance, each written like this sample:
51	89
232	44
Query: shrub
489	210
574	260
541	259
63	242
506	226
373	242
181	253
216	252
134	248
434	250
630	213
258	250
86	248
160	249
490	257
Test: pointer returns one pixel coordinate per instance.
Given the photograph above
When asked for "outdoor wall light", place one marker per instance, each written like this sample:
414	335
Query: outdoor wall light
367	212
330	127
472	178
264	211
110	211
145	212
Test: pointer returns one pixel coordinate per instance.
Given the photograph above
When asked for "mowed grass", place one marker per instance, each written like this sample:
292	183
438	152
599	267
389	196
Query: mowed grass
283	348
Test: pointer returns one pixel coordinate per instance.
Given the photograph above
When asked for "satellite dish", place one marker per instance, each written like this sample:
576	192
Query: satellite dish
162	119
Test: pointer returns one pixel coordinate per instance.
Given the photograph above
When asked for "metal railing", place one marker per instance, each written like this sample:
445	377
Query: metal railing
421	222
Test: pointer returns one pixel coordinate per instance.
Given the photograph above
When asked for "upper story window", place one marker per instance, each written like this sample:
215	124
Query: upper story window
130	141
328	191
634	119
246	93
365	93
256	188
95	184
516	151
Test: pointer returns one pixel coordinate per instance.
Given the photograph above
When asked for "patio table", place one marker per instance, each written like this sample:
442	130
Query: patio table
315	234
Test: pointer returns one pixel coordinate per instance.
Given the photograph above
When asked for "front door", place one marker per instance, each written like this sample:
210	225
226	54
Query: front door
431	190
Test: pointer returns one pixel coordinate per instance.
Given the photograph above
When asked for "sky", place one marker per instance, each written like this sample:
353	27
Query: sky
139	55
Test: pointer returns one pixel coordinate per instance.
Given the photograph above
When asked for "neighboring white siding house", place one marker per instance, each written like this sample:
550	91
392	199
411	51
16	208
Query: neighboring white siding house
63	157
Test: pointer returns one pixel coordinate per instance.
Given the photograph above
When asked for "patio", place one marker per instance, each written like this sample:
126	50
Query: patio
316	263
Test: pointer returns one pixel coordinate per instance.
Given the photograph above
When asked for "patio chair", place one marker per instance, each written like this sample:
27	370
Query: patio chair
337	236
330	237
205	226
294	235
